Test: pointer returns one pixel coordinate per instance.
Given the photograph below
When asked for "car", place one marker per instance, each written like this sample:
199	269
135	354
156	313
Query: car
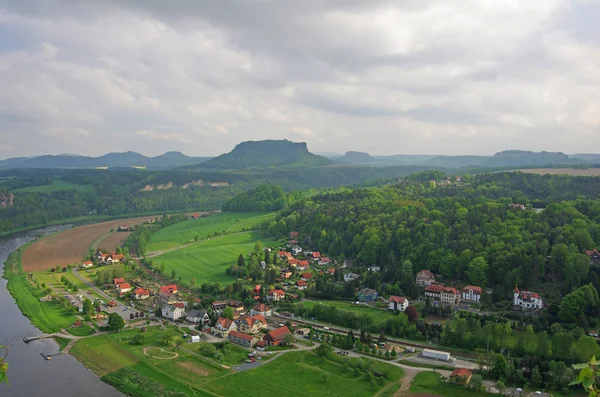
327	328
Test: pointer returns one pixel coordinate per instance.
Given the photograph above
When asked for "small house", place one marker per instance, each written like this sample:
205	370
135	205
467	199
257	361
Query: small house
218	306
86	264
301	284
118	281
223	326
141	293
123	288
594	256
172	312
276	295
461	375
398	303
166	291
374	269
471	293
296	249
350	277
241	338
306	276
237	306
276	337
261	309
197	317
425	278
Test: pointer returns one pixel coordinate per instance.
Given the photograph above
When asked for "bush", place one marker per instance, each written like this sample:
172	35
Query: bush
133	384
139	339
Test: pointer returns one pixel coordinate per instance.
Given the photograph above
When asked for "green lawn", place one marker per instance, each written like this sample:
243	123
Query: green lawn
207	260
430	382
56	186
377	314
184	232
84	330
300	374
62	342
49	317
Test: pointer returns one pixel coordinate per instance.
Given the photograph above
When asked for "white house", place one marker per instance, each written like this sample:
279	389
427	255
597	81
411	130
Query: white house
374	269
526	300
399	303
296	249
436	354
172	312
471	293
262	309
350	276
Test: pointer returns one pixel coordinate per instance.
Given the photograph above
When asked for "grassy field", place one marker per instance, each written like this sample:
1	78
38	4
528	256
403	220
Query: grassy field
430	382
300	374
56	186
207	260
184	232
47	316
377	314
563	171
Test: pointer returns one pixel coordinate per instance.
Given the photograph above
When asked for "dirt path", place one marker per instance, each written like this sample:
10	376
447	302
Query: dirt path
67	348
406	381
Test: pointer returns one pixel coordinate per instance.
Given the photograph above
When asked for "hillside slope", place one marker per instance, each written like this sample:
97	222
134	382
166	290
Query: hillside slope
269	153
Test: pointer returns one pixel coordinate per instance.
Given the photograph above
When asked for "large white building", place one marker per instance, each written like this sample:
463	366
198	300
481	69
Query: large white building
172	312
436	355
527	300
471	293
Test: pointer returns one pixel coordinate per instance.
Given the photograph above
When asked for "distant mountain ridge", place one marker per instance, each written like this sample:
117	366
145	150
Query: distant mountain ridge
126	159
263	154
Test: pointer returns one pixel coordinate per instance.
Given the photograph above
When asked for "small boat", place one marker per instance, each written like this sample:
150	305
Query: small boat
28	339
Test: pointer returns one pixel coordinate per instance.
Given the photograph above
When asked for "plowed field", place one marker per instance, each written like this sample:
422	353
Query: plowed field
70	246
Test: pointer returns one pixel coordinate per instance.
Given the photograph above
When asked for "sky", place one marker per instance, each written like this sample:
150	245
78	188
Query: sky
386	77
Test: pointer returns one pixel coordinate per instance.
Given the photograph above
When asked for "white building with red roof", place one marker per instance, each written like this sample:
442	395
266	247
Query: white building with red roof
399	303
526	300
471	293
434	291
425	278
450	295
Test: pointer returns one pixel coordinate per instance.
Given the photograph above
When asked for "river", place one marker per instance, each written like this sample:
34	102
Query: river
29	374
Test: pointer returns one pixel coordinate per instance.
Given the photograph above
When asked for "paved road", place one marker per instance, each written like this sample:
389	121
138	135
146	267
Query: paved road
122	309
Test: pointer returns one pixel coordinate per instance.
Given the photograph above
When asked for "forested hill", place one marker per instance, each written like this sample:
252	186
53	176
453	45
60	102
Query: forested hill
269	153
468	234
262	198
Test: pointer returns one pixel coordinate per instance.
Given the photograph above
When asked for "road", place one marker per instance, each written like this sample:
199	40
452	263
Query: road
124	309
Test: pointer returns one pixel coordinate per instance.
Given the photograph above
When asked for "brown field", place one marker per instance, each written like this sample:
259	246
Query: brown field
110	242
563	171
69	247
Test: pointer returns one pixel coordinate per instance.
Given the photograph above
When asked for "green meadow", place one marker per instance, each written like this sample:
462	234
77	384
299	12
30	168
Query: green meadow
378	315
225	222
207	260
56	186
303	374
431	383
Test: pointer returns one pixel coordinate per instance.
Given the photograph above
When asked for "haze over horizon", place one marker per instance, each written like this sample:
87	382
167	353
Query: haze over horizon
469	77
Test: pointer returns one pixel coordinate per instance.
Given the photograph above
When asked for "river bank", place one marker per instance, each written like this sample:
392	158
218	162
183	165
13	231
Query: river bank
28	373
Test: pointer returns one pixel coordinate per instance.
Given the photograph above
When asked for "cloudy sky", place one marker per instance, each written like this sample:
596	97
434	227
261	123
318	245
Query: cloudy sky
387	77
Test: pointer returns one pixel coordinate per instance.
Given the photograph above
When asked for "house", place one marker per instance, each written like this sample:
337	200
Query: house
242	339
593	334
306	276
141	294
117	257
374	269
180	305
251	324
285	255
461	375
195	339
324	261
118	281
303	264
518	206
197	317
276	295
399	303
315	255
350	276
276	337
293	262
296	249
123	228
223	326
166	291
236	305
261	309
303	331
107	259
331	271
434	291
471	293
99	255
425	278
218	306
285	273
526	300
367	295
450	296
594	256
291	242
256	289
172	312
86	264
301	284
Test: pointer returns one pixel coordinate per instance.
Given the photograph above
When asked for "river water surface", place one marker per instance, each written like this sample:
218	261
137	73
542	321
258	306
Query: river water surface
29	374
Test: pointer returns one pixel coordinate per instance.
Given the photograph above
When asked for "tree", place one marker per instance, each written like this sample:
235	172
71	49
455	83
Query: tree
241	262
173	274
476	382
118	250
412	314
139	339
325	377
476	272
163	268
500	386
536	377
193	282
228	313
258	247
288	340
3	365
88	307
115	322
589	376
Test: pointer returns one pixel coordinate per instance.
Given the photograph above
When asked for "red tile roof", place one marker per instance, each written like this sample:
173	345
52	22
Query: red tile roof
307	275
141	291
260	317
168	289
461	372
87	263
397	299
303	263
225	322
118	281
277	292
425	274
450	290
124	286
261	307
331	270
180	305
301	283
278	334
241	335
293	234
434	288
316	254
117	256
473	288
293	261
